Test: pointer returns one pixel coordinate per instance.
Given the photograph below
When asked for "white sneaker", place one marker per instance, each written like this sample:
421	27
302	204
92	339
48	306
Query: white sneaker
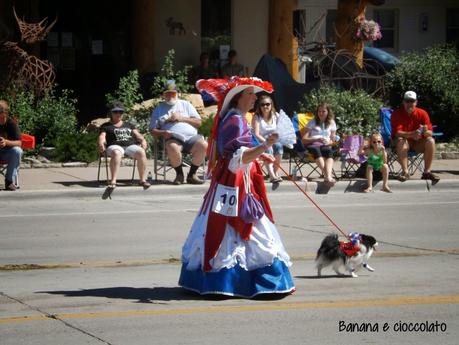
368	267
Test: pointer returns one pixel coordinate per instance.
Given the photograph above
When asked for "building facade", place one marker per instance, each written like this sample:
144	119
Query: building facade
94	43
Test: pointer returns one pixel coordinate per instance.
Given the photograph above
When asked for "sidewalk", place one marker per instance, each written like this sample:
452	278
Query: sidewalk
82	181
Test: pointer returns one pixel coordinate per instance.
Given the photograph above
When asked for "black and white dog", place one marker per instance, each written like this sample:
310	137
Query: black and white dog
352	255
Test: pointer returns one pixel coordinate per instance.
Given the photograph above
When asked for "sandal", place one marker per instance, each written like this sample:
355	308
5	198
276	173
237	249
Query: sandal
108	191
145	184
276	180
404	177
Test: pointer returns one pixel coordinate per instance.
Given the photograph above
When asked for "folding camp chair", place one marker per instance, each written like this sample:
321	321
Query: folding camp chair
161	163
350	157
27	143
104	157
415	160
299	157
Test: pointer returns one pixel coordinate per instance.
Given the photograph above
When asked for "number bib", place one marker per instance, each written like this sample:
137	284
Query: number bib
226	201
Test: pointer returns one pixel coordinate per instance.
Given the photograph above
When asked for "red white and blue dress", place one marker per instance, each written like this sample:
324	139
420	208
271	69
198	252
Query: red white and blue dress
225	254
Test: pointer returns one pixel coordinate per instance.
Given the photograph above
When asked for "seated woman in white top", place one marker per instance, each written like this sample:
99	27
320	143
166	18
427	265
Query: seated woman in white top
264	122
318	139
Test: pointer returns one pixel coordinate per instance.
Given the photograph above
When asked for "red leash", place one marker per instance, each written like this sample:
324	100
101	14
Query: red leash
310	199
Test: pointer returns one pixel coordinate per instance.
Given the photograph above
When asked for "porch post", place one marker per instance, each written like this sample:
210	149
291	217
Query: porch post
282	43
143	35
348	14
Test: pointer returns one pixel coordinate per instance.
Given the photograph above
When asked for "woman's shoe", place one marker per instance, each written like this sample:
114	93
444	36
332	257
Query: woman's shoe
145	184
276	179
11	187
404	176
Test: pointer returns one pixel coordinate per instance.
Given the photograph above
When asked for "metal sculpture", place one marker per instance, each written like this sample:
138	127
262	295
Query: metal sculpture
339	66
24	69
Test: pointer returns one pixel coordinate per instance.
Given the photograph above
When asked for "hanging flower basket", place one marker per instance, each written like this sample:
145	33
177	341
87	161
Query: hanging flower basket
367	30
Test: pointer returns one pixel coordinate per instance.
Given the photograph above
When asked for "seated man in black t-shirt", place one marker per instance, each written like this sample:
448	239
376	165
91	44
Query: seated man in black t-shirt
121	138
10	145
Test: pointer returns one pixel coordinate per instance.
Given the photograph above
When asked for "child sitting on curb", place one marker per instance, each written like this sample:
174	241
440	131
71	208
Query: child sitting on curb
377	161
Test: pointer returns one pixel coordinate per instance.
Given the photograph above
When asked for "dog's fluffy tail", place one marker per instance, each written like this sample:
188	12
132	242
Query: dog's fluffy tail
329	244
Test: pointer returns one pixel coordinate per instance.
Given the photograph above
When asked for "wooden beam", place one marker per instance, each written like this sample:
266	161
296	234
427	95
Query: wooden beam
143	48
282	43
348	13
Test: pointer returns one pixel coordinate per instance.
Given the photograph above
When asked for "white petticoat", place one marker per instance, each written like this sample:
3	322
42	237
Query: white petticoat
263	246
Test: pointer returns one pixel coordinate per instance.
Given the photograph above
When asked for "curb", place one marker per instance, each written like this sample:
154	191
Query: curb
312	187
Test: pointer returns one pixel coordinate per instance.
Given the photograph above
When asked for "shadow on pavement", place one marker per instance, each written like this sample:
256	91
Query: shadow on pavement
153	295
141	295
452	172
357	186
120	183
323	276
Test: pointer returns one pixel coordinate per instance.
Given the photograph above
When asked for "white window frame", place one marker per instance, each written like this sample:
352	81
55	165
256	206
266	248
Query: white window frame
395	29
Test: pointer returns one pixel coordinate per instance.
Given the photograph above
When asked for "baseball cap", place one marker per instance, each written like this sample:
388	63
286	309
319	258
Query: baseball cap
116	108
170	87
410	95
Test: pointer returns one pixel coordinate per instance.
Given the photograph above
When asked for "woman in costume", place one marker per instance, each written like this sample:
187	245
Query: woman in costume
233	247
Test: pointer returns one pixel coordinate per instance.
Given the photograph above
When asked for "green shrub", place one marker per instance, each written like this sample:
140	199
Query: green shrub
356	112
434	75
206	126
128	91
77	147
167	73
46	117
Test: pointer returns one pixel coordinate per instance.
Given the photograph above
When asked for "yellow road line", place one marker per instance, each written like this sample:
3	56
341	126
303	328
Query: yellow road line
385	302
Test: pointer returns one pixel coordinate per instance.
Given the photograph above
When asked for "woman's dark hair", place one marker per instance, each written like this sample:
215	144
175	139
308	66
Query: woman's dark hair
204	55
232	53
263	99
234	100
330	115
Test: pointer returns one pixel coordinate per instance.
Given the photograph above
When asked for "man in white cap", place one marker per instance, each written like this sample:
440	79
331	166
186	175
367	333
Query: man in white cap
177	121
412	130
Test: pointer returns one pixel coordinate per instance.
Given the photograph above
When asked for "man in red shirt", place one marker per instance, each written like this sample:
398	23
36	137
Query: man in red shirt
412	130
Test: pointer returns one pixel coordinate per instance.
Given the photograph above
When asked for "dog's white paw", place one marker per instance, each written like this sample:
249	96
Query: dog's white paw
368	267
354	275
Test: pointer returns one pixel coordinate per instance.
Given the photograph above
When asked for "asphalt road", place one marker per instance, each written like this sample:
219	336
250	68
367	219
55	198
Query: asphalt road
106	273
